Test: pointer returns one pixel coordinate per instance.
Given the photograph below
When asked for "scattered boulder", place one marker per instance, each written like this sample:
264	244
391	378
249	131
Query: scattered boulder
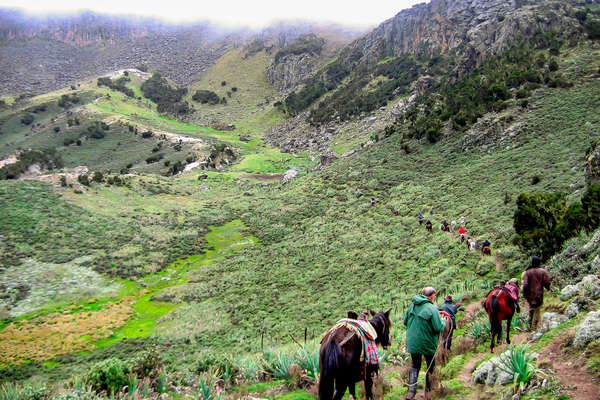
588	287
568	292
289	175
572	310
589	330
492	372
552	320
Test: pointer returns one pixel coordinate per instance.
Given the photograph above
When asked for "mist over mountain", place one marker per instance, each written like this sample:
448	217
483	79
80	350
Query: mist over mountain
41	53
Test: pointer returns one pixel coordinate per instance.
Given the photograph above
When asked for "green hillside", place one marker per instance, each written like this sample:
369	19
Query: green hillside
217	283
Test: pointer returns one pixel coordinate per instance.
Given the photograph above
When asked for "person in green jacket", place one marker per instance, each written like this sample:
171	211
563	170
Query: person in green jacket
423	327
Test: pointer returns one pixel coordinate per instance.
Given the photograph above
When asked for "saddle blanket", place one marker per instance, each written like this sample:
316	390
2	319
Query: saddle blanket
367	334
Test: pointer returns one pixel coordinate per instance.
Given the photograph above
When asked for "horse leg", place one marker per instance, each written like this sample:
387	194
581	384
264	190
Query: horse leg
369	386
499	333
340	389
352	390
508	321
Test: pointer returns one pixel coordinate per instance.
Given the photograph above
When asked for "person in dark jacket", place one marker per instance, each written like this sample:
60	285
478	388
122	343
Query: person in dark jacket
535	280
423	326
451	309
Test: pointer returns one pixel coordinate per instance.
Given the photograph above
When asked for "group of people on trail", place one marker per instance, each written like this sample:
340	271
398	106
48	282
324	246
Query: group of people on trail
424	324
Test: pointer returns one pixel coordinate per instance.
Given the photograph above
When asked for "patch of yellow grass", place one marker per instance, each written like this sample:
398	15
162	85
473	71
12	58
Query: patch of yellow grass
48	336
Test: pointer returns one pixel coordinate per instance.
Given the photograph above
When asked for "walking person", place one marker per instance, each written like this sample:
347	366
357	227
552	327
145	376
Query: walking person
535	279
423	327
451	309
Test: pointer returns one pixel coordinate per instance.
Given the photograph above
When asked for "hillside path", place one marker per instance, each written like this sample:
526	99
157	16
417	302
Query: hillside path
578	383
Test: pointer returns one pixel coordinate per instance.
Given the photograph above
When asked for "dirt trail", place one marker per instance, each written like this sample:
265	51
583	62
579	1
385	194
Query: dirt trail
465	373
578	383
498	263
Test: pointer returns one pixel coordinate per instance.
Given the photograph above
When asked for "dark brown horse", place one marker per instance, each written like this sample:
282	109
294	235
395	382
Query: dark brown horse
340	363
486	251
500	306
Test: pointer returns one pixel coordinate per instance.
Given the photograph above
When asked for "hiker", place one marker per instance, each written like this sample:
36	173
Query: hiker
423	326
451	309
428	225
534	280
513	287
453	225
421	218
444	226
462	232
485	248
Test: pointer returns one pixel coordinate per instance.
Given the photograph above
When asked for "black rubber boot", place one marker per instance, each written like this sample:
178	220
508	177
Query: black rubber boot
413	375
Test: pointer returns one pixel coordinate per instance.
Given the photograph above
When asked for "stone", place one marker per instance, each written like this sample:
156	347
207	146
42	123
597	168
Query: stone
589	330
480	375
568	292
572	310
289	175
552	320
590	286
491	372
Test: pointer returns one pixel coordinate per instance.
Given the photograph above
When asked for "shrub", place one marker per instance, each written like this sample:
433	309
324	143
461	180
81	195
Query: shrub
278	364
83	179
147	134
535	179
47	158
118	84
166	98
539	223
109	375
223	83
98	177
27	119
206	97
591	207
154	158
63	181
553	65
57	129
66	100
593	29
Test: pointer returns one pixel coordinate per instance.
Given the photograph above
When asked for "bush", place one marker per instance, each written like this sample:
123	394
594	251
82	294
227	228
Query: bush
591	207
47	158
98	177
109	375
27	119
223	83
553	65
154	158
83	179
57	129
118	84
206	97
166	98
543	222
147	134
67	101
63	181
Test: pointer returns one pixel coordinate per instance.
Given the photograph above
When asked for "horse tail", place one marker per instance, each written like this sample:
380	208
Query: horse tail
494	309
329	364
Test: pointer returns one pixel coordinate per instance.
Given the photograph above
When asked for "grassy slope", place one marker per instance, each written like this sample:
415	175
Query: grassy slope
325	249
248	107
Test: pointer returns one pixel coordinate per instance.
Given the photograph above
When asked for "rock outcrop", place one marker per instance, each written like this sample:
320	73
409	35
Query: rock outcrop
291	70
472	28
589	330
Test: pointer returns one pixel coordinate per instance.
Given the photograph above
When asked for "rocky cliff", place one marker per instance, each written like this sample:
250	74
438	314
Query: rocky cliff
472	28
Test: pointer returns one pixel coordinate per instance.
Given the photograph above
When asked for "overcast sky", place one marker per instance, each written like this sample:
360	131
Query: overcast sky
254	13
